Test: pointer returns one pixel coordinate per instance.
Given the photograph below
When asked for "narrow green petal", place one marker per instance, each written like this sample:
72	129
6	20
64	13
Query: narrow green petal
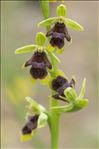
25	49
47	22
82	92
73	24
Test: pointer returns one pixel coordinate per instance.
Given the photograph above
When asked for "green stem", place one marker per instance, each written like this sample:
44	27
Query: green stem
54	119
54	125
53	116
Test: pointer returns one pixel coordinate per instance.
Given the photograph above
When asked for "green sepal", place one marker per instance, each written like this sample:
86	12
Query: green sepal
61	10
81	103
25	49
82	92
33	105
70	94
63	109
42	121
72	107
47	22
73	24
40	39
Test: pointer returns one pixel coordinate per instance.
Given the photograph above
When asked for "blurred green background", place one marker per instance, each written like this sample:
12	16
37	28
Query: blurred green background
19	27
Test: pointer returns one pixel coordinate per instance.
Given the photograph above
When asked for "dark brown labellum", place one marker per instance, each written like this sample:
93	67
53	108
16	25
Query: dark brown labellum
30	125
40	63
59	84
40	73
57	40
58	33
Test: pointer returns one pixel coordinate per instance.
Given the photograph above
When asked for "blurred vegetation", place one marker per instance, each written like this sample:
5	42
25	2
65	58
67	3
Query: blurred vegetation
19	20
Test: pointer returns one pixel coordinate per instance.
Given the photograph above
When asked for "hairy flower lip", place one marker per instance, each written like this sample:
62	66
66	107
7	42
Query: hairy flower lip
30	125
59	84
38	73
57	39
58	33
40	63
57	42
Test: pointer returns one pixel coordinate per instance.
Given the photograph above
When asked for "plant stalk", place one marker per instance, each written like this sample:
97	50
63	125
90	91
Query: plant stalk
53	116
54	125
